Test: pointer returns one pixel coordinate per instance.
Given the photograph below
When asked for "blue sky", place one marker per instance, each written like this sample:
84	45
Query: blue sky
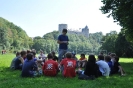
38	17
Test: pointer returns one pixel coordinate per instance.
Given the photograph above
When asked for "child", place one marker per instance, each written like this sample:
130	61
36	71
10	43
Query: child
19	61
68	66
117	67
29	68
55	58
91	68
50	68
12	66
108	60
82	61
112	55
42	56
103	66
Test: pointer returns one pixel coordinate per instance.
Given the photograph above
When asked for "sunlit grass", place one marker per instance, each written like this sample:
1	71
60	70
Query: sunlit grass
12	79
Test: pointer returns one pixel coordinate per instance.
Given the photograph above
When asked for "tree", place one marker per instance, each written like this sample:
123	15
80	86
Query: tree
123	48
122	12
108	41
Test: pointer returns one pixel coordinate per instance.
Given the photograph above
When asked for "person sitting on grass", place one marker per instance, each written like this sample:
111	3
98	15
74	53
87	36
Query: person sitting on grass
91	69
20	60
18	55
39	62
117	68
55	58
68	66
75	58
50	68
108	60
82	61
29	68
112	55
42	56
103	66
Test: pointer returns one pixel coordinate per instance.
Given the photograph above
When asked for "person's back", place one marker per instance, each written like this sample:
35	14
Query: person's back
103	66
69	66
29	67
50	68
91	69
17	63
12	66
108	60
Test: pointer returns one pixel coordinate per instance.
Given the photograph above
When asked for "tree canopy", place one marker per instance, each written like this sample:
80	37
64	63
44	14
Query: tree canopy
13	37
122	12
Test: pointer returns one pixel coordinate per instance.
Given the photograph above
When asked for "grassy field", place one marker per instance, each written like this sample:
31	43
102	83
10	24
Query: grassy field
12	79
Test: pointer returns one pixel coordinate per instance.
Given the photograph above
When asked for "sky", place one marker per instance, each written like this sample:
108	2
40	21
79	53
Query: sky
38	17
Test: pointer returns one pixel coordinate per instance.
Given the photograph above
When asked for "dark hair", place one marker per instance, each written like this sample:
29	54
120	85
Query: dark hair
23	53
50	56
33	53
112	54
100	57
53	52
28	51
18	53
29	56
107	58
64	30
91	58
109	53
116	58
82	55
68	55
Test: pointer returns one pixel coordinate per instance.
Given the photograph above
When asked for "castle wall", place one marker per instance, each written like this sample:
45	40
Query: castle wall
85	31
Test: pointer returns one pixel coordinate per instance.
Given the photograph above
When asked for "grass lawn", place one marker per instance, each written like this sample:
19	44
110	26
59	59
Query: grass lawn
12	79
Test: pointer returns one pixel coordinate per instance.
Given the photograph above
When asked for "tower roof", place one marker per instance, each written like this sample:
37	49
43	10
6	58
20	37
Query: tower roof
86	27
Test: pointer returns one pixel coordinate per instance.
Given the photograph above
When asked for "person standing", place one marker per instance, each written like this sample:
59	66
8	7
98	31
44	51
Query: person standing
63	44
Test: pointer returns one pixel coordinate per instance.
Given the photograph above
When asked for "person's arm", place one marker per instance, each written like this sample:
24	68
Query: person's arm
21	59
59	42
84	59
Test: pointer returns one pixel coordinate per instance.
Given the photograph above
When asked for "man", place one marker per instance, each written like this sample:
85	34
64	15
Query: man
63	44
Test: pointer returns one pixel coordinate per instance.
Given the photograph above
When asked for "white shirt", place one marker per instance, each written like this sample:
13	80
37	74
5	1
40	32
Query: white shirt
103	67
42	56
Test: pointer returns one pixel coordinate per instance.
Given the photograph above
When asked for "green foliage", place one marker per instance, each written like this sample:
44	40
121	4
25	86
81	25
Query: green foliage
13	36
76	42
108	41
117	43
122	12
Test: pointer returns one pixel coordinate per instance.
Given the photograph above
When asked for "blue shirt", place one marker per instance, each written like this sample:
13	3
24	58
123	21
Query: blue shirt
63	38
28	68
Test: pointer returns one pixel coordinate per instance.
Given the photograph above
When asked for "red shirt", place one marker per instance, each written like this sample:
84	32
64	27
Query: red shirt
69	67
50	68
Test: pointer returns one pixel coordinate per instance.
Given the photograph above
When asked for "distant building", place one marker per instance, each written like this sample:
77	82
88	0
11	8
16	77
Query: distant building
61	27
80	31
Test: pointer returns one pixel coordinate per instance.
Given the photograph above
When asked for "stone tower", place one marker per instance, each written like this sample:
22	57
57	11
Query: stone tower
61	27
85	31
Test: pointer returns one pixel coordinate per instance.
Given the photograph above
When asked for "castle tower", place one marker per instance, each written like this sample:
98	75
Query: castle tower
85	31
61	27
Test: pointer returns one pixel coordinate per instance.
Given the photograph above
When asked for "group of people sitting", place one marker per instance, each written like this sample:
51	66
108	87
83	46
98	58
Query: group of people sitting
69	66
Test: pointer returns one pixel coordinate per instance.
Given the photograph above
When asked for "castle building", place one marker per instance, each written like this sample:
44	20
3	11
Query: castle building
80	31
